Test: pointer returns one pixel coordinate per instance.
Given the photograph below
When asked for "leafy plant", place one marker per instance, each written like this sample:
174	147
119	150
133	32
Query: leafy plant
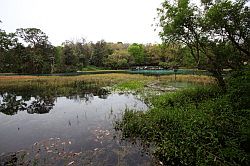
192	127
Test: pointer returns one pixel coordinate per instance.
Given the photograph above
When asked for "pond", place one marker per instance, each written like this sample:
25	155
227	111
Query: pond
46	129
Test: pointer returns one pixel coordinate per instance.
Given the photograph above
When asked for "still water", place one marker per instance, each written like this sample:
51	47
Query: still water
73	130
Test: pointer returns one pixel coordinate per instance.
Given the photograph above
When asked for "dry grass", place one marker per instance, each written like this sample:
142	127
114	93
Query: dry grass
99	79
190	78
17	77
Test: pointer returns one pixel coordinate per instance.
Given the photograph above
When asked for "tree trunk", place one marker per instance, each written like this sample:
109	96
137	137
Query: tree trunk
220	80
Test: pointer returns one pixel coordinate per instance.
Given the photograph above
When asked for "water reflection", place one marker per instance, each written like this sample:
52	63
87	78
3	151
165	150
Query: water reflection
83	118
41	105
11	102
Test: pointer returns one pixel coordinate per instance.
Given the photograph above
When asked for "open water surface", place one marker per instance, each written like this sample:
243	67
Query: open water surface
66	130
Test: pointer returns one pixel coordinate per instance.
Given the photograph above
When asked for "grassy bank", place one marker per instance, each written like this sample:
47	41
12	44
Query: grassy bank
201	126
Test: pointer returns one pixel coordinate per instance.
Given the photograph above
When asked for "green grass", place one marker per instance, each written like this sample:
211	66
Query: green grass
185	97
91	68
131	85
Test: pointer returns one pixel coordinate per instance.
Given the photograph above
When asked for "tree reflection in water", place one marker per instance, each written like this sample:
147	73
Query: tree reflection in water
11	103
42	102
41	105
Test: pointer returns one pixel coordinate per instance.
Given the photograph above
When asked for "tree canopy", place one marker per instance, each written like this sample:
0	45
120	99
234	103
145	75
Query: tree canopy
217	33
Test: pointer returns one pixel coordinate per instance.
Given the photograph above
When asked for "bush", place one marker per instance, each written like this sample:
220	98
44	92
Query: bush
239	89
193	127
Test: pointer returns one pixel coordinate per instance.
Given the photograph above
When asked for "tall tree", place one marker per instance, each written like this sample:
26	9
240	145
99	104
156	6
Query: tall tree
119	59
69	58
231	22
153	54
101	51
138	53
32	36
199	29
180	23
40	50
8	59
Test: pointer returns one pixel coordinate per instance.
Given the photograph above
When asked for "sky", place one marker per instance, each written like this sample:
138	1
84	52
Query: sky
128	21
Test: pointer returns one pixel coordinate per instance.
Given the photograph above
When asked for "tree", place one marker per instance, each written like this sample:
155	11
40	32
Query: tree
69	58
119	59
163	55
76	53
32	36
9	46
118	46
226	25
231	21
84	52
180	23
41	52
207	38
101	51
153	54
138	53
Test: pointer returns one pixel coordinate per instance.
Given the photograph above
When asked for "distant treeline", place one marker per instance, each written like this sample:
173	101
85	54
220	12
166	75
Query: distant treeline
29	51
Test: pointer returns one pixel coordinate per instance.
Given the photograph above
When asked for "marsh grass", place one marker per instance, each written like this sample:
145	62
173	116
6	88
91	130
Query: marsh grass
66	85
133	81
205	80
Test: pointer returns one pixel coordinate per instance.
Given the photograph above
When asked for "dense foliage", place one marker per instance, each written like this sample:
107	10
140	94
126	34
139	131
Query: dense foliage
202	126
29	51
216	32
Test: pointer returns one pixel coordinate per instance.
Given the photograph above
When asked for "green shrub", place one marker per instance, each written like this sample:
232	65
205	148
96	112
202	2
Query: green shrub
192	127
239	89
